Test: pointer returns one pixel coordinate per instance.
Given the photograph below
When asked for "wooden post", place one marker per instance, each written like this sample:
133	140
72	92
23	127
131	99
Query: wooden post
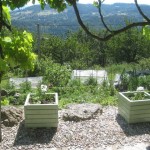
38	39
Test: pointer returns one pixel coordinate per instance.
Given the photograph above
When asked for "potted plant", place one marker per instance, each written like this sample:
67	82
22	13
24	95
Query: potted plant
41	109
134	106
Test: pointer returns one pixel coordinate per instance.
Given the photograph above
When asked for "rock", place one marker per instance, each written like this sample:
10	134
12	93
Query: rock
140	88
79	112
11	115
4	92
17	95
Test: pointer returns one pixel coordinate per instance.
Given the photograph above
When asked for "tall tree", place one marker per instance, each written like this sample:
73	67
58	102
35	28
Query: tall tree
15	48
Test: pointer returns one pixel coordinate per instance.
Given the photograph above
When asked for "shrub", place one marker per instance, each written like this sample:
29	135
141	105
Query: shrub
91	81
5	102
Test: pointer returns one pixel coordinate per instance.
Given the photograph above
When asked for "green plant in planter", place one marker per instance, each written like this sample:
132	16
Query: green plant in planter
138	96
41	97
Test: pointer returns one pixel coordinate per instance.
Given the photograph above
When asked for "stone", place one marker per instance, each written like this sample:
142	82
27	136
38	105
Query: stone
4	92
140	88
80	112
11	116
17	95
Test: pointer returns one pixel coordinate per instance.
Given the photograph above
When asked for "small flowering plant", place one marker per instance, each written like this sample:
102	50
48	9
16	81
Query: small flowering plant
41	96
43	88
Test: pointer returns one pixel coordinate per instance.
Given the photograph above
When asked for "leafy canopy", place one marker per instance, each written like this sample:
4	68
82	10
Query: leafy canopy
17	50
146	32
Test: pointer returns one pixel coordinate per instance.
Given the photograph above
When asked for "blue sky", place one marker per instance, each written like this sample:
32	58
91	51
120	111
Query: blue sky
116	1
110	1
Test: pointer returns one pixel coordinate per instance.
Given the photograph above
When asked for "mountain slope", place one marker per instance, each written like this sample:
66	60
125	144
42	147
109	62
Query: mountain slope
53	22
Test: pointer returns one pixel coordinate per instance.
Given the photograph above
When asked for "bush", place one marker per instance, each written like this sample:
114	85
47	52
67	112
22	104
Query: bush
5	102
91	81
25	87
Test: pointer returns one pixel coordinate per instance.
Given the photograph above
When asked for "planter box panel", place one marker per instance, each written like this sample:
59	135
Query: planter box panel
139	102
41	120
124	114
42	116
41	112
139	120
140	107
133	111
122	98
139	116
42	106
123	104
138	112
38	125
124	109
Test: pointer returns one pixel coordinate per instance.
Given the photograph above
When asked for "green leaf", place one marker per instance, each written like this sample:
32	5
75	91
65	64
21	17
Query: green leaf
7	39
95	3
3	65
146	32
42	3
6	15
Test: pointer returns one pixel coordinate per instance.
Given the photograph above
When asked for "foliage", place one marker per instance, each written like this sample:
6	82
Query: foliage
17	50
118	50
39	96
146	32
54	73
144	64
25	87
5	102
85	93
138	96
91	81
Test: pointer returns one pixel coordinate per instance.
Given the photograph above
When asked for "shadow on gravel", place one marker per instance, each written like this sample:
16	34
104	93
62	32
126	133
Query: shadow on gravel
27	136
133	129
148	148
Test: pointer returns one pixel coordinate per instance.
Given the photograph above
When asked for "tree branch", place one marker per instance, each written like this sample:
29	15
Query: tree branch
102	18
81	22
141	12
6	25
108	36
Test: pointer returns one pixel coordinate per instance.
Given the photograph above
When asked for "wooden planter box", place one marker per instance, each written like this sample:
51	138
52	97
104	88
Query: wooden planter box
134	111
41	115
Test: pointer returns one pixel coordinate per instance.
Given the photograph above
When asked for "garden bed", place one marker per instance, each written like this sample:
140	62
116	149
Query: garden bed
134	106
41	115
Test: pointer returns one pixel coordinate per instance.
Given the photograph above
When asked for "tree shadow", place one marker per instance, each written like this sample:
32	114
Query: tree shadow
133	129
148	148
27	136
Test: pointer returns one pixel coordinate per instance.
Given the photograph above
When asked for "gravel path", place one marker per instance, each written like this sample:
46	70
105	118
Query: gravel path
108	129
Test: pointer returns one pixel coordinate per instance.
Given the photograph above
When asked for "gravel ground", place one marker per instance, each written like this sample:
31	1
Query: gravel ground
108	129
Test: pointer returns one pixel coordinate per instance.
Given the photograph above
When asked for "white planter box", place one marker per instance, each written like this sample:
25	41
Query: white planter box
41	115
134	111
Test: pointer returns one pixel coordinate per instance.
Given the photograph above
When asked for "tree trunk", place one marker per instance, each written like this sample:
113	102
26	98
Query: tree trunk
0	110
1	56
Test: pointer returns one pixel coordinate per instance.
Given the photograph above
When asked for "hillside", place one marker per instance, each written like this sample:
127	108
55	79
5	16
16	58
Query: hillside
59	23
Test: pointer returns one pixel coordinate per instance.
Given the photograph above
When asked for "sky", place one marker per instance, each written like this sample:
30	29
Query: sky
110	1
117	1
